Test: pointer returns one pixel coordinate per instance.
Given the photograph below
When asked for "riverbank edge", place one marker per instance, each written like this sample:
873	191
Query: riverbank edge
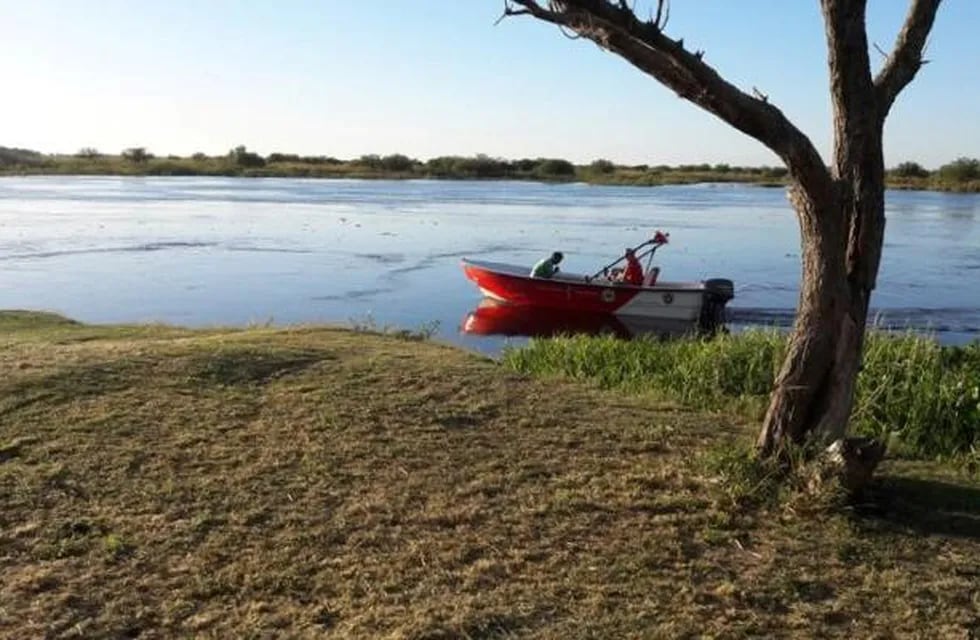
673	178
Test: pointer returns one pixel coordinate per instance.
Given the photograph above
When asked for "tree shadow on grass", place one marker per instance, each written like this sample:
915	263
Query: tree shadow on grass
925	506
72	383
250	365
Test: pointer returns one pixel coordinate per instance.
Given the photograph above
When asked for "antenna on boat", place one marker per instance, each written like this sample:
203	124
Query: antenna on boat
659	239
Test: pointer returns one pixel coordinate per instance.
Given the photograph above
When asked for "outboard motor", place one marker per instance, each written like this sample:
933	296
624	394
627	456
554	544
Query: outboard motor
718	291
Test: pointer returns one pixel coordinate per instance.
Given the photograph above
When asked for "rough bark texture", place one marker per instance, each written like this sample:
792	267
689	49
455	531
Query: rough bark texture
840	210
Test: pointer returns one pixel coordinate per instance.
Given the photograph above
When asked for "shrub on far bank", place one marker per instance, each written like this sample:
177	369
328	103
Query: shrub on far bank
242	157
137	155
602	166
555	168
14	157
961	170
961	175
910	170
397	162
479	166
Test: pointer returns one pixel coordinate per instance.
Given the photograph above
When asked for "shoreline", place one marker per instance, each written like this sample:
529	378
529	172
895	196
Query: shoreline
657	180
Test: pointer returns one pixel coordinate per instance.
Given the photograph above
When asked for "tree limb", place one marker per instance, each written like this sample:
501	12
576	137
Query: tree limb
663	15
851	86
906	57
613	26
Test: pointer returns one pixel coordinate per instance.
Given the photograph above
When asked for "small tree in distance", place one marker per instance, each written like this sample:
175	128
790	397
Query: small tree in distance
138	155
397	162
555	168
910	170
242	157
602	165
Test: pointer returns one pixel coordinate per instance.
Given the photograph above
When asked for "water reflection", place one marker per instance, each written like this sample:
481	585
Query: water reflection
492	318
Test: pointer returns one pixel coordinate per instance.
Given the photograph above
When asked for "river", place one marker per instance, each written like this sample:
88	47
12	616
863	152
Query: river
233	251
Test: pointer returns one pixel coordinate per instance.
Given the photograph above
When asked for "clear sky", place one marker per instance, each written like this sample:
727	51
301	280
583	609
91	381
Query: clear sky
436	77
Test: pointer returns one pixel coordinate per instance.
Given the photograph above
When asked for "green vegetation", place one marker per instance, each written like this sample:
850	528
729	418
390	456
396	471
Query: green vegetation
963	174
305	481
921	397
960	175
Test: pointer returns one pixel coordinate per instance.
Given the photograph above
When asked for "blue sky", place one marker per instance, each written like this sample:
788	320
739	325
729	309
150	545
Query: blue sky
436	77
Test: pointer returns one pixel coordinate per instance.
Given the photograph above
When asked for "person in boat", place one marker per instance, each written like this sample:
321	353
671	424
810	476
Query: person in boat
547	267
633	273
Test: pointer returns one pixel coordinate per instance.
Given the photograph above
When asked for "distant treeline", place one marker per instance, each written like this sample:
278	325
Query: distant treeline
962	174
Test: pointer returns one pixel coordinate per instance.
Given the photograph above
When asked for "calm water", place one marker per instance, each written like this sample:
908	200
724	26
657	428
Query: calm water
203	251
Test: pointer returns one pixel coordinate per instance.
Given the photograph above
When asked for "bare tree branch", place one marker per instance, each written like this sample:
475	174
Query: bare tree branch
510	11
615	27
906	57
663	14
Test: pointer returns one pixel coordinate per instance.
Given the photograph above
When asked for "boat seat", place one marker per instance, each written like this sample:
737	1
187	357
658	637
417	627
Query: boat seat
650	278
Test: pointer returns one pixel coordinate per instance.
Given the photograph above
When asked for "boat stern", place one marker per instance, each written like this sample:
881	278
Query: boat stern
717	293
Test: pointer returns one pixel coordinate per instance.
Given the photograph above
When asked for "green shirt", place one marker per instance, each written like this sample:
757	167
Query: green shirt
544	268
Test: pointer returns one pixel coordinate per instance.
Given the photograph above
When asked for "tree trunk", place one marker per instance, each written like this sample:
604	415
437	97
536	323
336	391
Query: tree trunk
814	390
842	237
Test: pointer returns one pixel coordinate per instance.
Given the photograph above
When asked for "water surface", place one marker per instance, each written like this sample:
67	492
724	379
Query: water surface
205	251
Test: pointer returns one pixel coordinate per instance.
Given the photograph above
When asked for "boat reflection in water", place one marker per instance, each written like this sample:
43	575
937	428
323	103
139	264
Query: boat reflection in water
498	318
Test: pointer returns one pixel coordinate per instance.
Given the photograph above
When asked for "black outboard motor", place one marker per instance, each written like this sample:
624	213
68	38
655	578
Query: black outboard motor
718	291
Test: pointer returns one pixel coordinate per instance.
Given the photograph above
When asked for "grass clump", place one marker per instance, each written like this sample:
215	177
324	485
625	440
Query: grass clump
709	373
368	324
921	396
116	548
743	480
745	483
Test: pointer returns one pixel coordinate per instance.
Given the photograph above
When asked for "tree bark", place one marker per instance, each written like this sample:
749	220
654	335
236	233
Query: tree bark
814	391
835	291
840	211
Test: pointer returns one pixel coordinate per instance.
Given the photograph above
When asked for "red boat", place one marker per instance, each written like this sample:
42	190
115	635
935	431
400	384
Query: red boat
700	304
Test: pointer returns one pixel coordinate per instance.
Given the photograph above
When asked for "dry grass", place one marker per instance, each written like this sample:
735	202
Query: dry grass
311	482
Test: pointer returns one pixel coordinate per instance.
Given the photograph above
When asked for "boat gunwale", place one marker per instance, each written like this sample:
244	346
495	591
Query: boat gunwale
695	287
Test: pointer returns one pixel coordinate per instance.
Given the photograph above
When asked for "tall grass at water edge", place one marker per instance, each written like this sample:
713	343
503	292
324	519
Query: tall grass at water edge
923	398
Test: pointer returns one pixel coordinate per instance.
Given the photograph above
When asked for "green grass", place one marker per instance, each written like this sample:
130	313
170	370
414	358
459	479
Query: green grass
477	167
316	482
922	397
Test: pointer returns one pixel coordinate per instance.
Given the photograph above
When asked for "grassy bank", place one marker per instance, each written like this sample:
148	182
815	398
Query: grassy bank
962	175
312	482
373	167
921	397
